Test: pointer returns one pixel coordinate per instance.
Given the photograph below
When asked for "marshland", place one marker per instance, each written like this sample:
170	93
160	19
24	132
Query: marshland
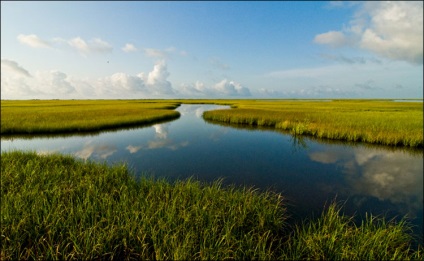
242	179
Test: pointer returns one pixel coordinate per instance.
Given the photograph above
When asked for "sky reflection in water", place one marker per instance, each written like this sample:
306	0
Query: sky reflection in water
307	172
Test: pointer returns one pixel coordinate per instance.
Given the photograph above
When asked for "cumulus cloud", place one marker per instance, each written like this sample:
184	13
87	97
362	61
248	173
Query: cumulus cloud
123	85
54	83
33	40
197	89
392	30
129	48
231	88
17	83
224	88
157	79
14	68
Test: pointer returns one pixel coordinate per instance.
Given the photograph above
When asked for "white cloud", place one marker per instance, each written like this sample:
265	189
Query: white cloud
197	89
157	79
17	83
231	88
392	30
133	149
224	88
97	151
163	54
14	68
54	84
392	176
94	45
129	48
155	53
33	40
79	44
333	38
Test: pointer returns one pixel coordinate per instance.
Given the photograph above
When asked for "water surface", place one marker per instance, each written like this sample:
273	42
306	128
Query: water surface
309	173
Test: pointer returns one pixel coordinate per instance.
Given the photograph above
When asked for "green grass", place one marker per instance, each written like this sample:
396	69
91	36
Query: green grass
372	121
65	116
57	207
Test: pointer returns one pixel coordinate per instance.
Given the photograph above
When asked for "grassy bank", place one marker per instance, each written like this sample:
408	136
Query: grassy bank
373	121
65	116
379	121
57	207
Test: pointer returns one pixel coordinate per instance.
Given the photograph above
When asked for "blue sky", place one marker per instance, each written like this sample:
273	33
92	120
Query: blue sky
90	50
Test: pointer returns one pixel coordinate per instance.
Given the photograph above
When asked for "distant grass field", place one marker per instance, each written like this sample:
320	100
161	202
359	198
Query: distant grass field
57	207
372	121
65	116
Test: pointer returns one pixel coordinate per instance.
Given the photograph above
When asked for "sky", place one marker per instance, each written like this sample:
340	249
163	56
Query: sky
217	49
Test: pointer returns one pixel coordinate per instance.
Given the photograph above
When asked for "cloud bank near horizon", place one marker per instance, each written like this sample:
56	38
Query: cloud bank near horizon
18	83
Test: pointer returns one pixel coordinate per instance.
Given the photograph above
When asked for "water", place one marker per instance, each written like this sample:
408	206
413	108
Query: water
309	173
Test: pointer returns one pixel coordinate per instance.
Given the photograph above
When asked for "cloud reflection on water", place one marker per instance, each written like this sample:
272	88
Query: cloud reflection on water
388	176
93	150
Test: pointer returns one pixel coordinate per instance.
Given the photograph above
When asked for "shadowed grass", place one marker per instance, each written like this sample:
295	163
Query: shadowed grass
57	207
64	116
334	236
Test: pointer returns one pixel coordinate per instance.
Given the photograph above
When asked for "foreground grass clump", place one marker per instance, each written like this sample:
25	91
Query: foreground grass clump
61	116
379	122
56	207
334	236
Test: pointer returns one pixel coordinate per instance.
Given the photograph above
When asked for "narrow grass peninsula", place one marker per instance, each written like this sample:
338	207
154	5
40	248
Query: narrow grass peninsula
67	116
383	122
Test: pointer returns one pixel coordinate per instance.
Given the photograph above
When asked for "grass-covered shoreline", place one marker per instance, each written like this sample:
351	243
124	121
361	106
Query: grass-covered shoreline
372	121
58	207
384	122
67	116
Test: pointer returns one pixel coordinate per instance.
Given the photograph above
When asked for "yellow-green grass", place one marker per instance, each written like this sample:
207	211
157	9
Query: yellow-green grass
64	116
372	121
57	207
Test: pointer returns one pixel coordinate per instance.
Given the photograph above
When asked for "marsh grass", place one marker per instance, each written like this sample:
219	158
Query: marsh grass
65	116
334	236
378	122
372	121
57	207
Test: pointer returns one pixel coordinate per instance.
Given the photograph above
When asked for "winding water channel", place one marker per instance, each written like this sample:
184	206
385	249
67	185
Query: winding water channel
309	173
